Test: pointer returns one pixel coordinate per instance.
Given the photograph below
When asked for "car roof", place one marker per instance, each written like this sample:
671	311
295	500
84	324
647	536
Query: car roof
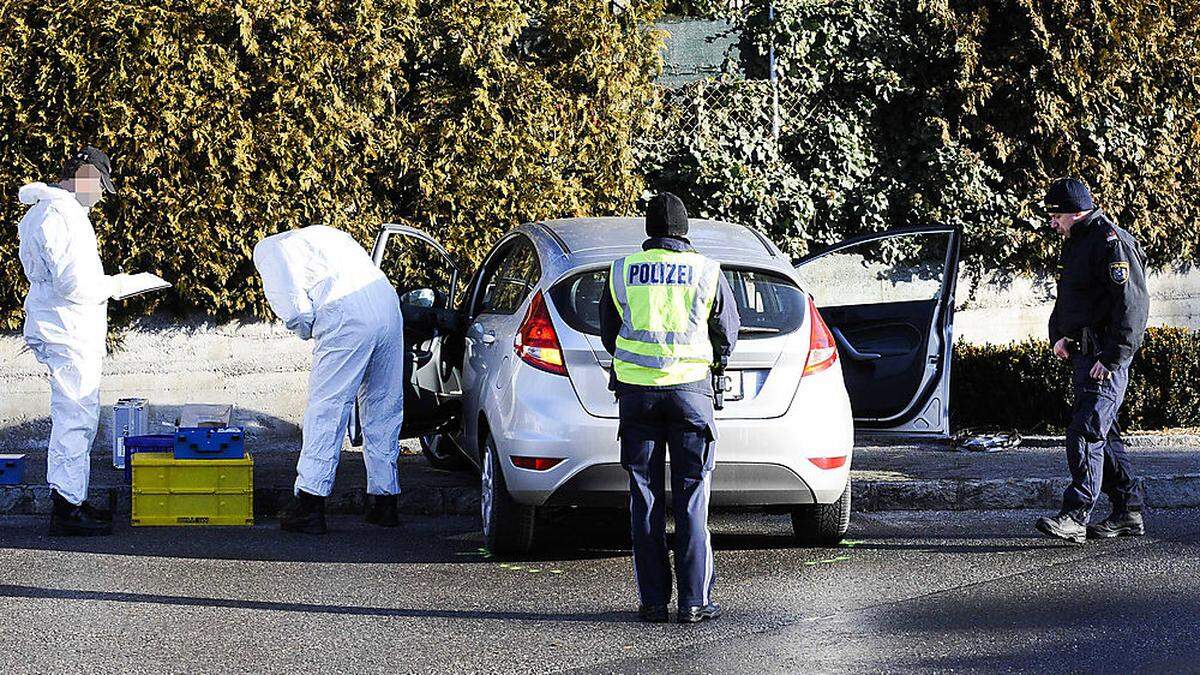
569	243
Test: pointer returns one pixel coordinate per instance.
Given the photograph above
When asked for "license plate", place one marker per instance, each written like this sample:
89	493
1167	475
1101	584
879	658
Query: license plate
733	388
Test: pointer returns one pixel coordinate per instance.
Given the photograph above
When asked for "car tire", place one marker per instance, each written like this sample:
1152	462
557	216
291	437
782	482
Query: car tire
442	454
508	527
822	524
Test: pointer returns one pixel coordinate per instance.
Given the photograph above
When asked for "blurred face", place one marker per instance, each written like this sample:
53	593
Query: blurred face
1062	222
86	186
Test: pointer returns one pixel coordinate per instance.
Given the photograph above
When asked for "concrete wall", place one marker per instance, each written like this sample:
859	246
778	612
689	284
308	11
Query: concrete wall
999	313
262	368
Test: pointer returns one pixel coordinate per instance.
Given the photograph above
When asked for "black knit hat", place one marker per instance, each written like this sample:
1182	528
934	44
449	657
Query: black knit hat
666	216
1068	195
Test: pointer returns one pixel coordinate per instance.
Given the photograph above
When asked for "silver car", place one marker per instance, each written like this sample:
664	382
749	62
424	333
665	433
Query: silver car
507	374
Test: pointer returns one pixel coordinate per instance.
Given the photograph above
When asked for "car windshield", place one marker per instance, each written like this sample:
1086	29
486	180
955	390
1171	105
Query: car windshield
769	304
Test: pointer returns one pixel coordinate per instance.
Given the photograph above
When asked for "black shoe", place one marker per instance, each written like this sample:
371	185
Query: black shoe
652	613
96	512
1062	526
71	520
696	613
1125	524
304	513
383	511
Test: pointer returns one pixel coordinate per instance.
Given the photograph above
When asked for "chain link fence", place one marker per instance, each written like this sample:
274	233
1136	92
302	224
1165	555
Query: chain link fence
714	105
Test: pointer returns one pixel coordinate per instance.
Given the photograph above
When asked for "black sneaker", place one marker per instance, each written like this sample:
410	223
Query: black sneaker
304	513
383	511
71	520
1062	526
652	613
696	613
1125	524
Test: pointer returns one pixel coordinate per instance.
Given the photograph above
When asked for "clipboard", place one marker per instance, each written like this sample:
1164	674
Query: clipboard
140	283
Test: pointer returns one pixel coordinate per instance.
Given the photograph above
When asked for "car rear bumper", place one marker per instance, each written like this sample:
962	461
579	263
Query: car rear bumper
733	484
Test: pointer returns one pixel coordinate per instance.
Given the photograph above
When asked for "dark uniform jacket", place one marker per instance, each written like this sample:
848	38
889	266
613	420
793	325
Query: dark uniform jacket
723	323
1102	287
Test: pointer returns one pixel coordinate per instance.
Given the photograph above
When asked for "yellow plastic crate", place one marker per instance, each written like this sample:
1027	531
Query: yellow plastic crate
169	491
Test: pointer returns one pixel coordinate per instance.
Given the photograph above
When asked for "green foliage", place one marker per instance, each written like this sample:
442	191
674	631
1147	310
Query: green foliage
528	115
228	121
903	113
1023	385
225	122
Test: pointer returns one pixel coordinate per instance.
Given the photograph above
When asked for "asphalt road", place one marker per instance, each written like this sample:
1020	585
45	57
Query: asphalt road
934	591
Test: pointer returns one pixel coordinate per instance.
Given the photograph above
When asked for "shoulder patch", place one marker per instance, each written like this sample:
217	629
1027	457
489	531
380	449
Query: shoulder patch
1119	272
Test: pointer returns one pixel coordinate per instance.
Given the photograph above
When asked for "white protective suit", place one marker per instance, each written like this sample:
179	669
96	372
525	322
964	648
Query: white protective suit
66	318
323	285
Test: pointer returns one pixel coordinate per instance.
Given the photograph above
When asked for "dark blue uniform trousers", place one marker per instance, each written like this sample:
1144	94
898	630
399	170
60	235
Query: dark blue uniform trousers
1095	452
653	424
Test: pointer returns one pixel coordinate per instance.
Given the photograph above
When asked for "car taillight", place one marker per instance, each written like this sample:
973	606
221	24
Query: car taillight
536	463
828	462
537	343
822	350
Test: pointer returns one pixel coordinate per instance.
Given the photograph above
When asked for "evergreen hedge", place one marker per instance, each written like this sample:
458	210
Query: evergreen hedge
228	121
947	112
1022	385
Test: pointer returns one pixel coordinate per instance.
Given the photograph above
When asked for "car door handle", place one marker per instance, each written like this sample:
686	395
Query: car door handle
487	338
849	349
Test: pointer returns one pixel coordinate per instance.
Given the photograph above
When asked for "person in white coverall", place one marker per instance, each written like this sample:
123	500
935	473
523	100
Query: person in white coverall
324	286
66	319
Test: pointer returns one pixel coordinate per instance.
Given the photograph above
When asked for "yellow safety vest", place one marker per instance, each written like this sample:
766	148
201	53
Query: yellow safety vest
664	299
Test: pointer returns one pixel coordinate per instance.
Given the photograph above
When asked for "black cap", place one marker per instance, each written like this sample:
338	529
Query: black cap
1068	195
96	158
666	216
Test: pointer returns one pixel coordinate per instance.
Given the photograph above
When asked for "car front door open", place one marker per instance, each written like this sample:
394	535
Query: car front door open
888	298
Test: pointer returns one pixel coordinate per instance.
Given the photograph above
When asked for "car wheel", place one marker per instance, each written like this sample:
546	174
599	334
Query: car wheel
508	527
822	524
441	453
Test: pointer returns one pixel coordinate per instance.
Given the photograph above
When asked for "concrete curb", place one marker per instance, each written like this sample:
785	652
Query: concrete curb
427	501
1132	440
1164	492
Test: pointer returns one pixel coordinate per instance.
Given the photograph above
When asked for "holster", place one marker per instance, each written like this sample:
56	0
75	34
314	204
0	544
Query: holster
719	383
1089	342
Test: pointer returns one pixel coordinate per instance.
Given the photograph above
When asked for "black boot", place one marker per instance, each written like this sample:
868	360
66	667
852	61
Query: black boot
304	513
1123	524
1063	526
652	613
96	512
70	520
383	511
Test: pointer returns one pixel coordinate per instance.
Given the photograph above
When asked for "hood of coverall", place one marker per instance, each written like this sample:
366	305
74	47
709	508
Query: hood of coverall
36	192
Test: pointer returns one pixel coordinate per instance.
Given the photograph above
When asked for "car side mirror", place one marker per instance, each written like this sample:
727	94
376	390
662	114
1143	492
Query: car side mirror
419	297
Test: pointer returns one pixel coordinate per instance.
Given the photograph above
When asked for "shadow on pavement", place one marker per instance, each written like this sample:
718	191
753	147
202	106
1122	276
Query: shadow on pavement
349	540
1116	627
35	592
443	539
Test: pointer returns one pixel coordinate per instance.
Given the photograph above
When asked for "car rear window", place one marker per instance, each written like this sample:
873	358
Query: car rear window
769	304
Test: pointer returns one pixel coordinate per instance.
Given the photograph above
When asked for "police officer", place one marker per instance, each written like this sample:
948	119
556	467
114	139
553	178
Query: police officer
668	317
1097	324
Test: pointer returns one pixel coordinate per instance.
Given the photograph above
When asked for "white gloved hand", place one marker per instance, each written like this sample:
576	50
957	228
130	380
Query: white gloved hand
302	325
120	284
